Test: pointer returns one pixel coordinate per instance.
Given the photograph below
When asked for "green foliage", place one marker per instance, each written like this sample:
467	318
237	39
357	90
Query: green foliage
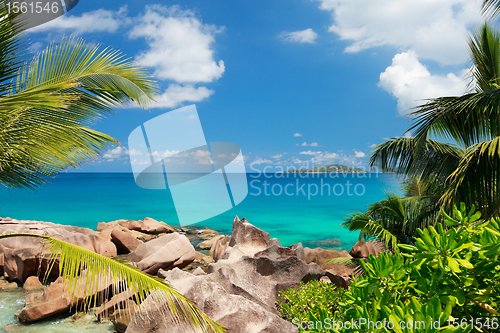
448	281
48	102
311	298
395	220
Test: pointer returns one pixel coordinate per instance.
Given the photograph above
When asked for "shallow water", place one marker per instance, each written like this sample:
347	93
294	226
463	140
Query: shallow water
13	301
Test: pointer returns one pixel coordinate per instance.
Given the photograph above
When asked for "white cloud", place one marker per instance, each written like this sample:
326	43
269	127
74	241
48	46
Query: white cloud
115	152
278	156
260	160
411	82
302	36
180	45
305	144
359	154
100	20
163	154
176	94
435	30
297	134
310	152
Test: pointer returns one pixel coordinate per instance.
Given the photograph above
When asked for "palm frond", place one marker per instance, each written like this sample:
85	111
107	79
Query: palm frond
484	46
473	117
476	179
395	220
491	7
430	160
353	263
102	270
14	46
44	118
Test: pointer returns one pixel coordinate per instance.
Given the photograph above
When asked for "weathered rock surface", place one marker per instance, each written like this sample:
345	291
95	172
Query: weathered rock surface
207	244
56	299
32	283
123	316
206	233
321	256
148	225
236	313
260	279
166	252
247	237
6	285
219	246
124	240
21	255
363	249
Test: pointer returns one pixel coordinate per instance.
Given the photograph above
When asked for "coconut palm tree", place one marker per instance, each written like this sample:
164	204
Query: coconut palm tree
47	103
467	169
395	220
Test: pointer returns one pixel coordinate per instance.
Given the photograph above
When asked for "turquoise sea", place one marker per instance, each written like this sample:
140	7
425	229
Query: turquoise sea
310	211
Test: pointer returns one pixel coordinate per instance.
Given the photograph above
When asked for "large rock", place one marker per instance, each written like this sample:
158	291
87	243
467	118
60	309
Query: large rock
165	252
219	246
56	299
32	283
258	268
6	285
21	256
236	313
363	249
148	225
260	279
123	316
321	256
124	240
247	237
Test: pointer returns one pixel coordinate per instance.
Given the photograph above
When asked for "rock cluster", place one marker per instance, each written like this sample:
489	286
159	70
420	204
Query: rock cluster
22	257
236	284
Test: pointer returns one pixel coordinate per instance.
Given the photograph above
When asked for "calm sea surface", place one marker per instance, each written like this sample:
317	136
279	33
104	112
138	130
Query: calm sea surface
308	210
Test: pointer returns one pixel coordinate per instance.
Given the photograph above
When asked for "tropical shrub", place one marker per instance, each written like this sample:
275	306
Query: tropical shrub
312	297
448	281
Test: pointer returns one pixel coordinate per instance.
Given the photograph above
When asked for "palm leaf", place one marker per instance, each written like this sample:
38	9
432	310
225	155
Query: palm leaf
491	7
476	179
353	263
99	269
46	112
431	160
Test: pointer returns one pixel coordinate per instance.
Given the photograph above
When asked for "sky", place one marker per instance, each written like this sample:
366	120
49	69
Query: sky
294	83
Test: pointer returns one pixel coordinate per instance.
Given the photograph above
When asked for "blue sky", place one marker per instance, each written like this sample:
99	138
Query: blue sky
290	81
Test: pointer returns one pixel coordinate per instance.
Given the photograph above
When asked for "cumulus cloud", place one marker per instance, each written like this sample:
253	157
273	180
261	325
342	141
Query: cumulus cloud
278	156
100	20
297	134
433	29
410	82
180	48
176	94
359	154
301	36
180	45
116	152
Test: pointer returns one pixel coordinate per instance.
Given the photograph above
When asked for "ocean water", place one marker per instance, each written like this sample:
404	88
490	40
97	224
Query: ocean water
291	207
